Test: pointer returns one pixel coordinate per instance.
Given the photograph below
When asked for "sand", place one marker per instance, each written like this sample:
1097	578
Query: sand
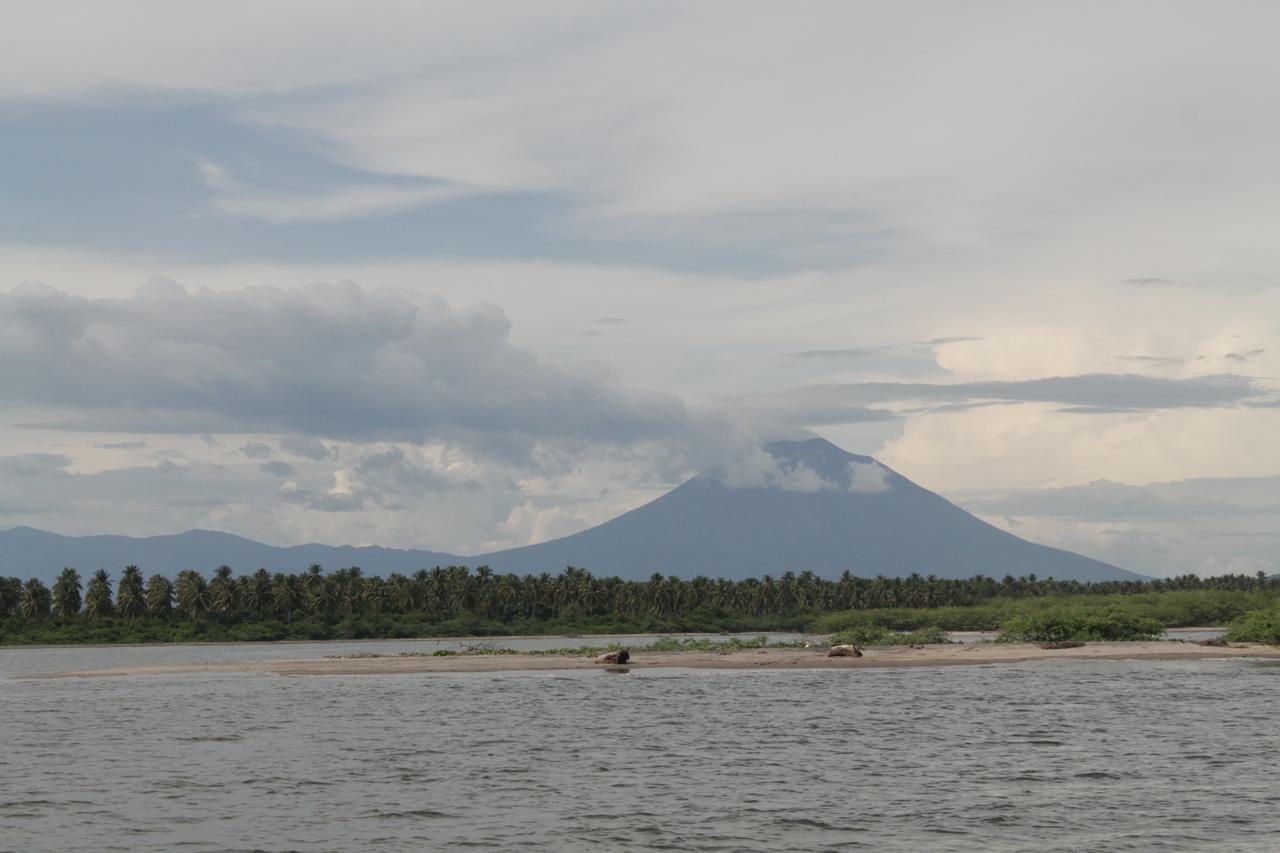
896	656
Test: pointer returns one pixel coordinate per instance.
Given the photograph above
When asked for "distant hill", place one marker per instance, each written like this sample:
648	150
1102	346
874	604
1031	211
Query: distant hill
26	552
835	511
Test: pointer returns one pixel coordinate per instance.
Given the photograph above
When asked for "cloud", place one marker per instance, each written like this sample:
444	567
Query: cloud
1149	282
43	491
1155	360
926	346
868	478
278	468
291	493
305	446
120	445
34	464
332	361
351	201
256	450
832	353
392	471
1105	500
831	403
759	469
1205	525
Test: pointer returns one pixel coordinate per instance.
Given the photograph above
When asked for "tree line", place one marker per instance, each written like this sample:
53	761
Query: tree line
451	592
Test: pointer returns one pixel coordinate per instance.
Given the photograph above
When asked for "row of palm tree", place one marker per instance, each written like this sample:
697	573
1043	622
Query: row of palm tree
446	592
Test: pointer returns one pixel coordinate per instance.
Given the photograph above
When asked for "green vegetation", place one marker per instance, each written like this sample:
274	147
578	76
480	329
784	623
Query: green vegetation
1256	626
1080	624
662	644
455	601
1170	608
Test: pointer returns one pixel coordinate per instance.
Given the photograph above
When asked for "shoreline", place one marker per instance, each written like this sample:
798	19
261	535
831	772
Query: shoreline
488	638
873	658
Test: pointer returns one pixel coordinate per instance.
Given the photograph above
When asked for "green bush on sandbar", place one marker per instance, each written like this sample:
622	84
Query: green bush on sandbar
1256	626
1111	623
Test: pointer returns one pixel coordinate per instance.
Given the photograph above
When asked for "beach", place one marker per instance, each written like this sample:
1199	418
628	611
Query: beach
766	658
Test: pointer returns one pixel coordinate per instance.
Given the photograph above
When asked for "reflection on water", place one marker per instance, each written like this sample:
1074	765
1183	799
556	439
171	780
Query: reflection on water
1052	755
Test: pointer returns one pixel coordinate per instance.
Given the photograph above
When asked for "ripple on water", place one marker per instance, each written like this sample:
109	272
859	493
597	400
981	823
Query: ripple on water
1063	755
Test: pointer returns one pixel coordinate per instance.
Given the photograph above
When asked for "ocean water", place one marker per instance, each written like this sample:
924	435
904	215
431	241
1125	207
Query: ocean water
1051	755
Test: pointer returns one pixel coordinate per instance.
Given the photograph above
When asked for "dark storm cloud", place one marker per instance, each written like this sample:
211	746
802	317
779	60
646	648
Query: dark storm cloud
325	360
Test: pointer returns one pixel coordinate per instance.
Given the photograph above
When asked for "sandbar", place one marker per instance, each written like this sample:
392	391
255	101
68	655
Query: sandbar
813	658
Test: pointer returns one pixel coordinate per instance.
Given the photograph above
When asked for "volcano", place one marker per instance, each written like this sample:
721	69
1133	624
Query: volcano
826	510
807	505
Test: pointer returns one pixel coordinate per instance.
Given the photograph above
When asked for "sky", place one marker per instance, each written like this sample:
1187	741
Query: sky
467	276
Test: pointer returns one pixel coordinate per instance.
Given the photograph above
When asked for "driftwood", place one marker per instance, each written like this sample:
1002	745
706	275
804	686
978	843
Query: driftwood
1217	642
845	651
1060	644
620	656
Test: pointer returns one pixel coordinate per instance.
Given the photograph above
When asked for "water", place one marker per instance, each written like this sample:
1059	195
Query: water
1051	755
27	661
1188	634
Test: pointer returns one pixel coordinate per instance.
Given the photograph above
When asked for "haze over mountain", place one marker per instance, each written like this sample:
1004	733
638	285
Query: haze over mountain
794	506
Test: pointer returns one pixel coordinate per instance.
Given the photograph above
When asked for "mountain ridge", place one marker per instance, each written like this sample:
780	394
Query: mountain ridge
800	505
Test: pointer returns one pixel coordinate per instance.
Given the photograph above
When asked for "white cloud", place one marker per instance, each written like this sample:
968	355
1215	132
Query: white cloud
868	478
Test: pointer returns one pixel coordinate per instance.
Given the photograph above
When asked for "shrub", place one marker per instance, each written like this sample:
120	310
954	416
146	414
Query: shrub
1256	626
1111	623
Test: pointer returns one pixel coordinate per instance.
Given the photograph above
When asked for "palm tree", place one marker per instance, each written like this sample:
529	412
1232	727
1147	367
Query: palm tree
130	598
255	592
66	594
400	593
191	594
35	600
313	590
159	595
10	592
286	594
222	592
97	596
